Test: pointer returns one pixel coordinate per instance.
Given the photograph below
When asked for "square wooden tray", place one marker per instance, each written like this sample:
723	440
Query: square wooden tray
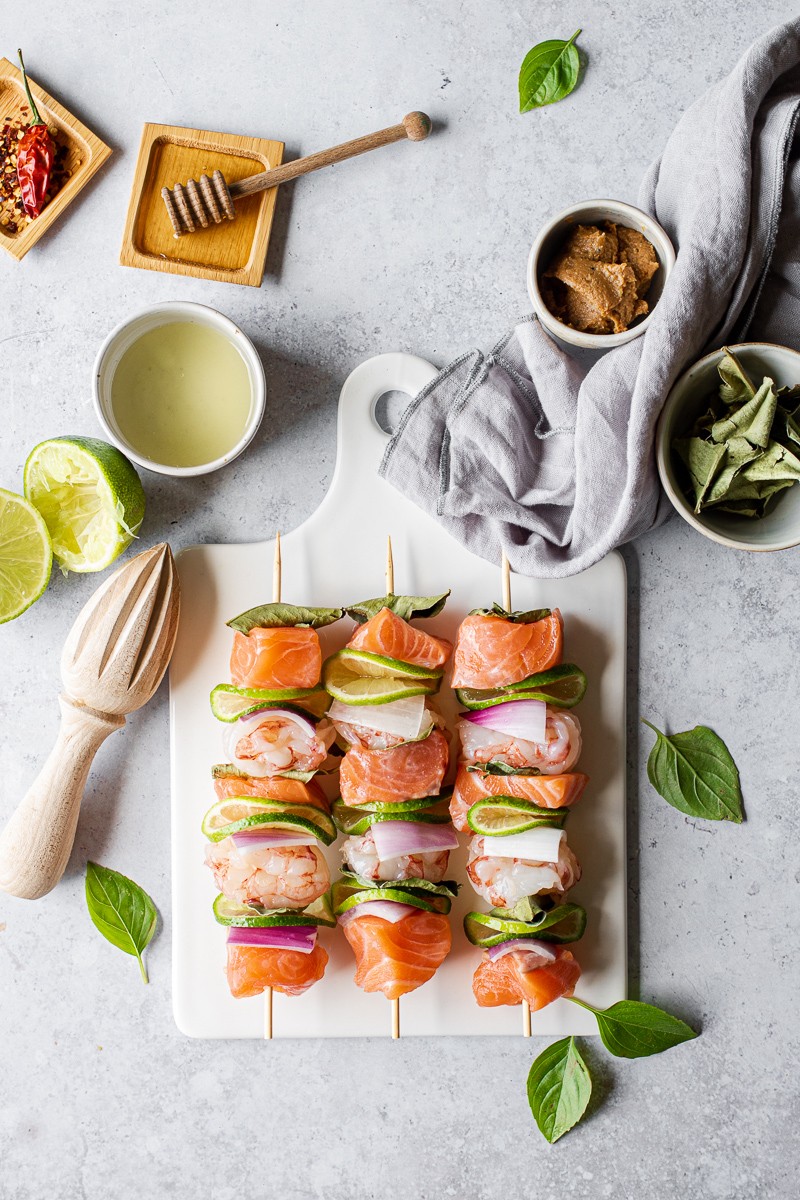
85	153
233	252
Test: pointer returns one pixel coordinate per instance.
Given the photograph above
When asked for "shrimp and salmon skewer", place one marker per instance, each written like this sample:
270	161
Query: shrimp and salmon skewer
515	785
271	820
393	898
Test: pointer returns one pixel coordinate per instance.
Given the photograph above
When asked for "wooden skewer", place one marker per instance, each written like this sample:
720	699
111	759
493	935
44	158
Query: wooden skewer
276	595
506	573
389	591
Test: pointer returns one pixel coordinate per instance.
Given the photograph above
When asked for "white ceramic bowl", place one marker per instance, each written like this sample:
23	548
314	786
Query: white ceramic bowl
780	528
125	334
552	237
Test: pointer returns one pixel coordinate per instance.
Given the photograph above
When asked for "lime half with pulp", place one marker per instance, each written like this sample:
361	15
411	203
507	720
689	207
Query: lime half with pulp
91	499
355	677
25	555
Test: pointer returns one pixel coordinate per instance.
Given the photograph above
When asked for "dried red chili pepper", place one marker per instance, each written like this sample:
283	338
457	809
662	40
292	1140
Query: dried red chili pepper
35	157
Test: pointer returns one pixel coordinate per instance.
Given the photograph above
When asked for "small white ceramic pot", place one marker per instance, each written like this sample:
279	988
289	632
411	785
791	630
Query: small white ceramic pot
552	237
128	332
780	528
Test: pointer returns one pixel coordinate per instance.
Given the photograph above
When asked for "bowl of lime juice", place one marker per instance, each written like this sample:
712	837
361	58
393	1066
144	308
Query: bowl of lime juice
179	388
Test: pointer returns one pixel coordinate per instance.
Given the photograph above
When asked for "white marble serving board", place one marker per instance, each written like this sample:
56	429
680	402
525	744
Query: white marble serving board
338	555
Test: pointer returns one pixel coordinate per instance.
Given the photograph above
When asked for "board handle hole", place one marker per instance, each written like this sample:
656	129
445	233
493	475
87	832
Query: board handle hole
389	408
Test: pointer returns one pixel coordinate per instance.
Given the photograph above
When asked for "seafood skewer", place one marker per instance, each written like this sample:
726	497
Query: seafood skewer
270	819
392	900
513	789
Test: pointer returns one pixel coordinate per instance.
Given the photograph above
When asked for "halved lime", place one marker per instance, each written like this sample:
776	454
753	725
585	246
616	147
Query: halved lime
564	923
364	662
228	703
25	555
357	821
563	687
501	815
237	813
91	499
344	679
247	916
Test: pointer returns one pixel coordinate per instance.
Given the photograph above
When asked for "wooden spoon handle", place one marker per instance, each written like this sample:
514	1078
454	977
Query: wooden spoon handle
36	843
416	126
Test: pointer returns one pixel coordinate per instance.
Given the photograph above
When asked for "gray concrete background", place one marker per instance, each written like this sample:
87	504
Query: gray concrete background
421	249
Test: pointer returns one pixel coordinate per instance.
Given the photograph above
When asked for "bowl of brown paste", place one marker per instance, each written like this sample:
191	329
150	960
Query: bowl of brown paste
596	272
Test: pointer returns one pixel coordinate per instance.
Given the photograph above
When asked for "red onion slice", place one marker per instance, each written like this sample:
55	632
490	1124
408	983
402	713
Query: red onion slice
388	910
541	845
270	839
393	839
302	938
251	721
531	944
524	719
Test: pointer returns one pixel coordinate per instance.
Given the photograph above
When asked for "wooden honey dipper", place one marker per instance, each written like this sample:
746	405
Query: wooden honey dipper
199	202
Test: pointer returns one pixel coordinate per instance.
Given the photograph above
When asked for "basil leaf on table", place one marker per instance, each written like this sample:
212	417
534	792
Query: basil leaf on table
406	607
121	910
695	773
559	1088
548	73
631	1029
281	616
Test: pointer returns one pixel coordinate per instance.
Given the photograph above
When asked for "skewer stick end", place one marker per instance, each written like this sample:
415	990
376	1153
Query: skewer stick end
506	576
268	1014
396	1018
526	1019
389	566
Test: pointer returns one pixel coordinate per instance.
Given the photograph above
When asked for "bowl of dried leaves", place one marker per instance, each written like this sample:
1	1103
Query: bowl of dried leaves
728	446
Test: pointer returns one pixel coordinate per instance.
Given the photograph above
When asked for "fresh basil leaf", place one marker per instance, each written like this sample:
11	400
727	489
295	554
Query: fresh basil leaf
121	910
630	1029
695	773
501	768
548	73
518	617
406	607
279	616
559	1088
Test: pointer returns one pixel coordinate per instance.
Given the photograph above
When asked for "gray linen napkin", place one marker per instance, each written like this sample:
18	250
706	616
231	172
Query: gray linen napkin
527	450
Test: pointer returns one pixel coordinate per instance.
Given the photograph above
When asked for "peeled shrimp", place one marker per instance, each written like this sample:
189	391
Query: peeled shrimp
360	856
505	881
558	753
276	740
275	877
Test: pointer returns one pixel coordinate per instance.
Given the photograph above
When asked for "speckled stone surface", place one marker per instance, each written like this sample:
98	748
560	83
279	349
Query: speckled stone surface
418	248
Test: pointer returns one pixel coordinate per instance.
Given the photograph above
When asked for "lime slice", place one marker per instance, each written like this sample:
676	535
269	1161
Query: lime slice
501	815
564	923
432	897
358	820
25	555
228	912
561	686
90	497
237	813
228	703
345	679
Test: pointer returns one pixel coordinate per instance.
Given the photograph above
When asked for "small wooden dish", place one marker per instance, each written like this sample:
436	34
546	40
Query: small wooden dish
235	252
85	154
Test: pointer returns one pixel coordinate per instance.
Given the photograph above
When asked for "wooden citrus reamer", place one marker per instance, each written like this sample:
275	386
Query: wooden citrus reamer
506	575
199	203
113	660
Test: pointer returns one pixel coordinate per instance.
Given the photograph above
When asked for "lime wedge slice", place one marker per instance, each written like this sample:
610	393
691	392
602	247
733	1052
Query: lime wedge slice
90	497
501	815
563	687
25	555
228	703
356	677
228	912
351	820
564	923
237	813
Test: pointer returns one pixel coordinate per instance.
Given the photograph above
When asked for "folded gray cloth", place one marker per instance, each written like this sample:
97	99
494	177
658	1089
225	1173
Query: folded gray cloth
528	451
